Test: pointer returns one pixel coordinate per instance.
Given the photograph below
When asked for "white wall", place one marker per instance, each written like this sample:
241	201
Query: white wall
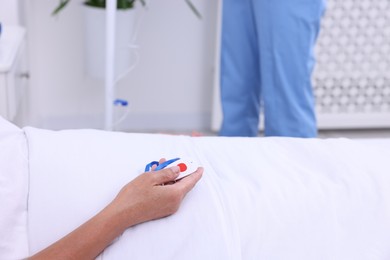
9	12
171	87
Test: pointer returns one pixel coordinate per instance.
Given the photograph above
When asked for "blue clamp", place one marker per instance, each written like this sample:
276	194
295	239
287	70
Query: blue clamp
121	102
159	166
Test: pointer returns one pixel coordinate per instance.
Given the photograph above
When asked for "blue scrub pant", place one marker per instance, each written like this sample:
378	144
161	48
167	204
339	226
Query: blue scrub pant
267	56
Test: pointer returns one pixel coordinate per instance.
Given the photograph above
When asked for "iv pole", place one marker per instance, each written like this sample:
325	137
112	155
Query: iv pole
110	63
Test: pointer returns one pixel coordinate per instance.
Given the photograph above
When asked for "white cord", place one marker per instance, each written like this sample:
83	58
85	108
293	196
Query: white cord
134	48
123	117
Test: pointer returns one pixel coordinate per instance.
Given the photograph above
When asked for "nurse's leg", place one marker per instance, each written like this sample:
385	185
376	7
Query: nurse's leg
240	89
287	31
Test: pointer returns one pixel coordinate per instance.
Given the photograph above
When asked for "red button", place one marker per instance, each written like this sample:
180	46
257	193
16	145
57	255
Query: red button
182	167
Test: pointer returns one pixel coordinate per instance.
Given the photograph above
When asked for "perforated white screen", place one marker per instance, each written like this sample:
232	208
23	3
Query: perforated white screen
352	75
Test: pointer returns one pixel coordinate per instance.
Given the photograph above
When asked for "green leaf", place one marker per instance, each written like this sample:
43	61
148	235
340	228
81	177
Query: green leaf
121	4
143	2
96	3
194	9
62	4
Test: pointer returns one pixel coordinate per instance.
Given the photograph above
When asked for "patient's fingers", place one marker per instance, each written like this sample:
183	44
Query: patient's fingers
162	160
165	175
188	182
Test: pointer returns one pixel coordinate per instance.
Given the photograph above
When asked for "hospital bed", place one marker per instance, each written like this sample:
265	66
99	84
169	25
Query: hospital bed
259	198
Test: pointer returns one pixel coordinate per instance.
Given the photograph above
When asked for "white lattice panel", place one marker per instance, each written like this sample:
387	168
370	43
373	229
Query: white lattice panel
352	75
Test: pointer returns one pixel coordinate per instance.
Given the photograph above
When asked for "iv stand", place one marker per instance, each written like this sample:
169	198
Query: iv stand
110	63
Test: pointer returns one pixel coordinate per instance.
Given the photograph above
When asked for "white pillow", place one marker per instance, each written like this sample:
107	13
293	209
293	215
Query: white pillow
13	192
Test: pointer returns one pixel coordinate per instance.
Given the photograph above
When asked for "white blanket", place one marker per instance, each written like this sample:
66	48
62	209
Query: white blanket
13	192
259	198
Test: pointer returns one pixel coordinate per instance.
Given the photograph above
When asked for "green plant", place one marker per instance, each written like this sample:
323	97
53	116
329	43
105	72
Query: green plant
121	4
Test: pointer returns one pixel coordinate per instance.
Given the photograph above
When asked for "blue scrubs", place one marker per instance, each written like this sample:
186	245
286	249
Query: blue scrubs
267	56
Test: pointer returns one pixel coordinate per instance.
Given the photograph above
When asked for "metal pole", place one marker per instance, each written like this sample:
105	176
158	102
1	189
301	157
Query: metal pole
110	63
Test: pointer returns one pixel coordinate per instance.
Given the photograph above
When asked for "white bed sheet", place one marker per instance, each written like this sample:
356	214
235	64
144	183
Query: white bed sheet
259	198
13	192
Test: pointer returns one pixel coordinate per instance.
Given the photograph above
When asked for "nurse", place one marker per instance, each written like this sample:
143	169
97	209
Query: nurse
267	57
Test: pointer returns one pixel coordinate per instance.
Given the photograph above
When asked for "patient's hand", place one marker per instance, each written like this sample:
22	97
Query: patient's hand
146	197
